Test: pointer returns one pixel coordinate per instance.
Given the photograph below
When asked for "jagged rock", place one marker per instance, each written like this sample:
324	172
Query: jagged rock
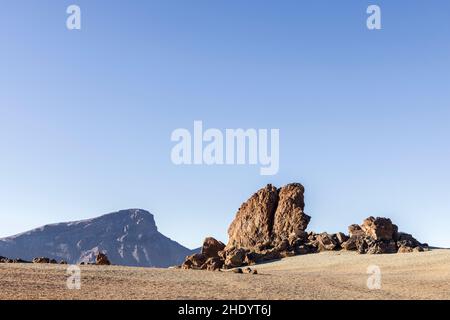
235	258
237	270
290	220
407	240
213	264
102	260
195	261
254	220
355	230
350	244
379	228
299	239
326	242
63	262
269	217
382	247
53	261
341	238
211	247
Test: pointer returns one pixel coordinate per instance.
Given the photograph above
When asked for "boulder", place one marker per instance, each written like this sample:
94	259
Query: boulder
290	220
254	220
326	242
102	260
213	264
407	240
382	247
379	228
211	247
355	230
235	258
270	217
195	261
351	243
341	238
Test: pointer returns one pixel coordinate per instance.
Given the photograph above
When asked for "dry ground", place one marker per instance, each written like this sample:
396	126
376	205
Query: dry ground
331	275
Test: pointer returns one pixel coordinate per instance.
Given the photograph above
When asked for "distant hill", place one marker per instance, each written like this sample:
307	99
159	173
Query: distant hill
128	237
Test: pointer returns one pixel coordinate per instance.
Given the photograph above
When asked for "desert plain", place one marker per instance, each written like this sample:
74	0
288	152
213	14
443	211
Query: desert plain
327	275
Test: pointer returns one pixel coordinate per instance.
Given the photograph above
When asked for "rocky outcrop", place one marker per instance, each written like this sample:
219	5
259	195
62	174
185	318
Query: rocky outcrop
379	228
211	247
269	217
271	225
253	224
380	236
289	219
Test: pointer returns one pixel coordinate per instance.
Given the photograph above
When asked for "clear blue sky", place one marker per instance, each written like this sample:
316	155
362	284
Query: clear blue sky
86	116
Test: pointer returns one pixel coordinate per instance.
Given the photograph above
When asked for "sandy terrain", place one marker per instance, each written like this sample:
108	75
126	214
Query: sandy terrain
333	275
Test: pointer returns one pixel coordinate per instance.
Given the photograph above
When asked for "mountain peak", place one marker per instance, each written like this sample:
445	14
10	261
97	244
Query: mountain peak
129	237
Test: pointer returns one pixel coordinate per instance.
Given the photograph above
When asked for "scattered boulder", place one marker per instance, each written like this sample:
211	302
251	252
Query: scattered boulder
237	270
102	260
382	247
326	242
195	261
214	264
211	247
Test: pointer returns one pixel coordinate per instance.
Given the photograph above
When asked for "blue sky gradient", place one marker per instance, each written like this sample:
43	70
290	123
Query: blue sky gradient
86	116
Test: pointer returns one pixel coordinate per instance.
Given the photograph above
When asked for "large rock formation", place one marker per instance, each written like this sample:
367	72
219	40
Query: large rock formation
272	223
128	237
270	216
254	220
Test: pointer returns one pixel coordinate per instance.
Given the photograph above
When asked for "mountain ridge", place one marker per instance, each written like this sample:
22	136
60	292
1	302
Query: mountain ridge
129	237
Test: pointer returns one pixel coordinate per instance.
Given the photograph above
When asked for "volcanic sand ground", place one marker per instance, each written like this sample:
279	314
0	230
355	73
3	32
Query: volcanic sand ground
330	275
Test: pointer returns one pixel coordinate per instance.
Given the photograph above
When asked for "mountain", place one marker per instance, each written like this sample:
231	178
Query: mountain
128	237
